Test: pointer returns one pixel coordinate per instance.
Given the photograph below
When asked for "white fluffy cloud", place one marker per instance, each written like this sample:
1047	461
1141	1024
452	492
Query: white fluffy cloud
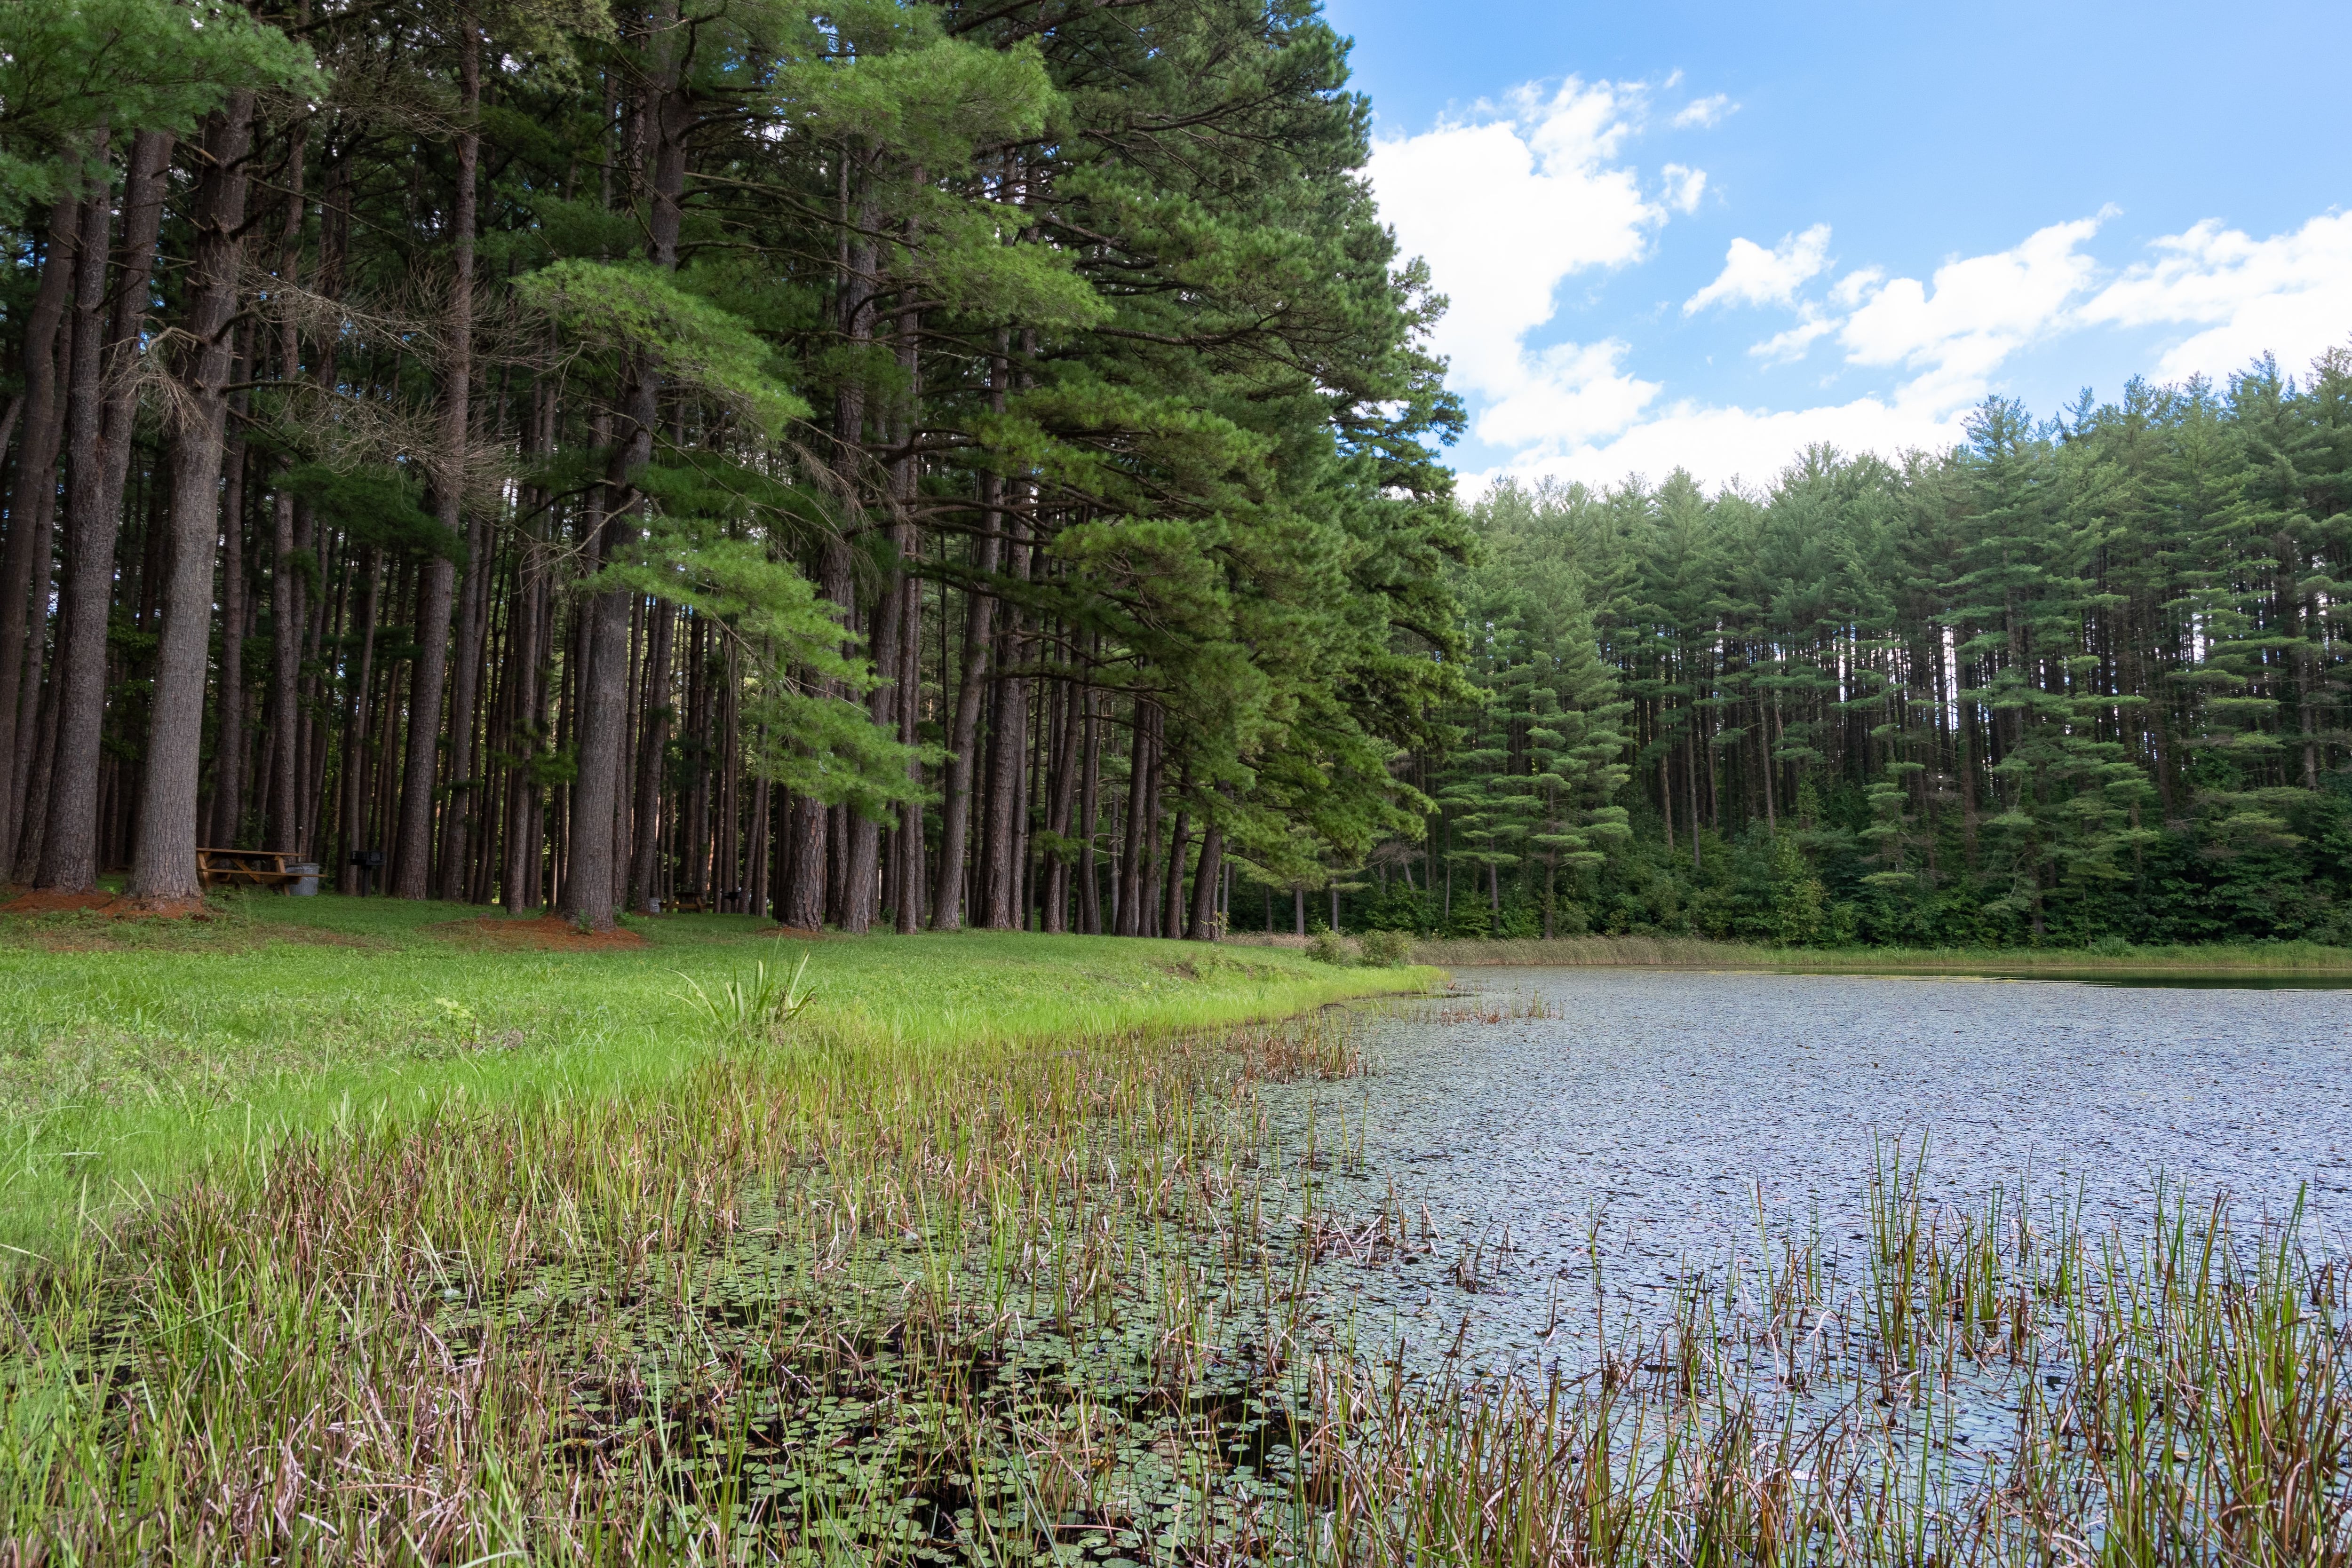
1720	444
1512	201
1567	393
1783	348
1684	187
1754	275
1980	310
2290	295
1506	206
1855	287
1946	338
1703	112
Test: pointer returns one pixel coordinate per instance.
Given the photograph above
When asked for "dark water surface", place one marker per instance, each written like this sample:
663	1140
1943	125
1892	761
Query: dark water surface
1575	1166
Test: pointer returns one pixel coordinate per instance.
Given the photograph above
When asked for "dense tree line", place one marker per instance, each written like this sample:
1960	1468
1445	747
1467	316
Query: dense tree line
2077	681
942	464
931	464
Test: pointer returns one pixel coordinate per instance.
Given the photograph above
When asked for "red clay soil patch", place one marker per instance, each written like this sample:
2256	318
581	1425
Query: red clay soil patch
50	903
547	933
128	908
108	905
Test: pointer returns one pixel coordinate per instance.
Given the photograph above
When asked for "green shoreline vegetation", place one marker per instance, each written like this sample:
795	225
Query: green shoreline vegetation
992	1257
138	1055
2254	959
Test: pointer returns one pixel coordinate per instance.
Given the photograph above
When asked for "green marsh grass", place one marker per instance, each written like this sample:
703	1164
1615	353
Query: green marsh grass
937	1289
2254	959
134	1056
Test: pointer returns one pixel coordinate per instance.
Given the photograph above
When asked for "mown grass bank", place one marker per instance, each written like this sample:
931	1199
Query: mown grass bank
134	1055
1692	953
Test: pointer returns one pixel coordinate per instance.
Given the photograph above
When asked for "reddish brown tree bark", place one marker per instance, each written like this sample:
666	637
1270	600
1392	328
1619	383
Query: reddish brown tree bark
101	415
164	863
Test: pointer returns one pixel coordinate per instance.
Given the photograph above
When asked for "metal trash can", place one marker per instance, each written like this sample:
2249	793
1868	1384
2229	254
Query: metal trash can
305	879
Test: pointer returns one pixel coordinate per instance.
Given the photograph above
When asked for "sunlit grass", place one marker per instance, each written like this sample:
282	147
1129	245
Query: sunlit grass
132	1055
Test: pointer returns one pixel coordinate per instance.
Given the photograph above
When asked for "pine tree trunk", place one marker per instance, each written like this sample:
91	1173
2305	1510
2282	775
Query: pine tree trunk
804	907
466	793
1148	909
760	850
836	862
82	417
357	709
695	846
412	859
1666	799
590	883
898	633
526	813
285	583
729	851
38	764
1063	801
311	800
905	674
653	743
908	894
1208	882
163	865
101	431
31	498
603	729
228	751
1172	908
955	805
1089	794
1690	787
1009	735
1127	910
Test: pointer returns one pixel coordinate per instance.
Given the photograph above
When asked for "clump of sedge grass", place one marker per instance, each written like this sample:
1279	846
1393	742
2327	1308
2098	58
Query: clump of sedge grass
754	1009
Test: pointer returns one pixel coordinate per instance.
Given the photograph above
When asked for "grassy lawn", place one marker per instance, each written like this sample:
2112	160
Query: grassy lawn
132	1056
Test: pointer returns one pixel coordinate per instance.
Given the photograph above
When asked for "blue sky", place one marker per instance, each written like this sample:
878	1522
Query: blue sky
1707	233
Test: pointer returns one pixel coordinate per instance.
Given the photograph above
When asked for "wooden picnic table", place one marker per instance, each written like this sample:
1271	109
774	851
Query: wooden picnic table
248	868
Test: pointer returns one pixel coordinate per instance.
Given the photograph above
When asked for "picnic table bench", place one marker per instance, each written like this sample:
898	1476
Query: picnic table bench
250	868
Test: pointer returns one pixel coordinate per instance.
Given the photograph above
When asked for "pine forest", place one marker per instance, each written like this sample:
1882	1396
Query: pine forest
933	466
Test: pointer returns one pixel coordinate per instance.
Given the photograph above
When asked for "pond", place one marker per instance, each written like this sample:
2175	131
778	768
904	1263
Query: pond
1690	1267
1570	1137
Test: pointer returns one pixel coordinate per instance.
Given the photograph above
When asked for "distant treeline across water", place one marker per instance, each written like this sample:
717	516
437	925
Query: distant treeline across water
2075	681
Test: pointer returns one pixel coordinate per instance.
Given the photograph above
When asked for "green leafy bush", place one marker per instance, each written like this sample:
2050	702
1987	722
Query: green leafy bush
1384	949
1327	948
